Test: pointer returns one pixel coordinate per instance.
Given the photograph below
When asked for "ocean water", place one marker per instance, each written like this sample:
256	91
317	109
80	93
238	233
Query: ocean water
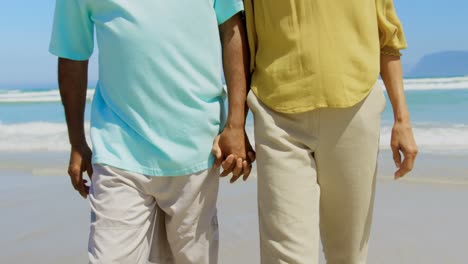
33	120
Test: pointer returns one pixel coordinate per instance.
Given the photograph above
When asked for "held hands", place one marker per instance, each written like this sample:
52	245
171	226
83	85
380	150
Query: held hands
234	153
80	161
402	142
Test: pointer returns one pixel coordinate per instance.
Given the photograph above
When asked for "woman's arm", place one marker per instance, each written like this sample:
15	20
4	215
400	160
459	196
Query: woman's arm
402	141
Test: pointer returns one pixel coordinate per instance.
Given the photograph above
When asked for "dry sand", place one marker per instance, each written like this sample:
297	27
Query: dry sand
418	220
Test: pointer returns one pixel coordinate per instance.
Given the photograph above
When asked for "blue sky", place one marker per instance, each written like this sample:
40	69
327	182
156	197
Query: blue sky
430	26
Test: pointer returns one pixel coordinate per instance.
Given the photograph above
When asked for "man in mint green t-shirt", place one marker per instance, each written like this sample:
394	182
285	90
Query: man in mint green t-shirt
157	109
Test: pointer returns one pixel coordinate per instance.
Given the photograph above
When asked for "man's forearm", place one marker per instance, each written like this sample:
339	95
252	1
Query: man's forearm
73	82
236	69
392	76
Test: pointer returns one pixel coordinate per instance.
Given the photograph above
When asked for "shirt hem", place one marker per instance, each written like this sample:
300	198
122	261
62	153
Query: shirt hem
238	7
303	109
67	55
155	172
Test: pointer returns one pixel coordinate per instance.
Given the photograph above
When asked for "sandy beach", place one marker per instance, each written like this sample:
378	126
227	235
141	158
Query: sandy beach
422	219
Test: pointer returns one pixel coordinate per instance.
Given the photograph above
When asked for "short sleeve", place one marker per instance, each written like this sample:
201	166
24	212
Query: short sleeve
72	31
392	37
226	9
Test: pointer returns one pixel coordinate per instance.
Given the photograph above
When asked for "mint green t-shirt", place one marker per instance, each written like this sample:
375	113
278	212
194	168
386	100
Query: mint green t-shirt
159	102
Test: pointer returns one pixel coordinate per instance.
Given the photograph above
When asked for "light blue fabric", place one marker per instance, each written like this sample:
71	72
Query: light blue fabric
159	102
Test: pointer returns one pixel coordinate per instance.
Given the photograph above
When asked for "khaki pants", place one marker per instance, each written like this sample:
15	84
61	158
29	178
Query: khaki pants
316	174
139	219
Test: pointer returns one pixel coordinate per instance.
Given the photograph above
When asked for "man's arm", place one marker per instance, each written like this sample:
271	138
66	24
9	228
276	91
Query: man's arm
73	81
233	141
402	133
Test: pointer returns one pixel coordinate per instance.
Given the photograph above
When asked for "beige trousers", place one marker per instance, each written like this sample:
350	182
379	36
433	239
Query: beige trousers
139	219
316	175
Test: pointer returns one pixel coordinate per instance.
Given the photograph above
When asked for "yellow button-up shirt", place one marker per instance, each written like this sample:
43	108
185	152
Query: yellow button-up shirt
309	54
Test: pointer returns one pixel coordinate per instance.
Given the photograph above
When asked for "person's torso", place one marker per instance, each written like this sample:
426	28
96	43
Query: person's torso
311	54
160	94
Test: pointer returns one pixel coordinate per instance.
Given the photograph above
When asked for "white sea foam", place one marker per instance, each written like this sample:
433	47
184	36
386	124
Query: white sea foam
436	83
35	136
430	138
39	136
18	96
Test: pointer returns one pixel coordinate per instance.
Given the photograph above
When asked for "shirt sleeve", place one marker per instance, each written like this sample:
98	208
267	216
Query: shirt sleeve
392	37
72	31
225	9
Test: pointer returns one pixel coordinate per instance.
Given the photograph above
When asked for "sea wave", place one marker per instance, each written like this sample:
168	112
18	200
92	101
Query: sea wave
43	136
430	138
437	83
35	136
41	96
48	96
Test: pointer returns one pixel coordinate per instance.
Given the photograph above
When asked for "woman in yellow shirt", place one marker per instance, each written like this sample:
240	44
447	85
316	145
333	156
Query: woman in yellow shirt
317	106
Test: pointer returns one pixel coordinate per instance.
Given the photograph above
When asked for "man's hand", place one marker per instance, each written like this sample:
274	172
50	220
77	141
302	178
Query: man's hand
234	153
402	142
80	161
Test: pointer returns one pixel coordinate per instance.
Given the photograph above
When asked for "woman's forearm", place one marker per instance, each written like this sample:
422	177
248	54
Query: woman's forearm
392	76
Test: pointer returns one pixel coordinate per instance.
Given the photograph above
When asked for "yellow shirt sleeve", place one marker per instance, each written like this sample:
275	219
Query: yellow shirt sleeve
392	37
